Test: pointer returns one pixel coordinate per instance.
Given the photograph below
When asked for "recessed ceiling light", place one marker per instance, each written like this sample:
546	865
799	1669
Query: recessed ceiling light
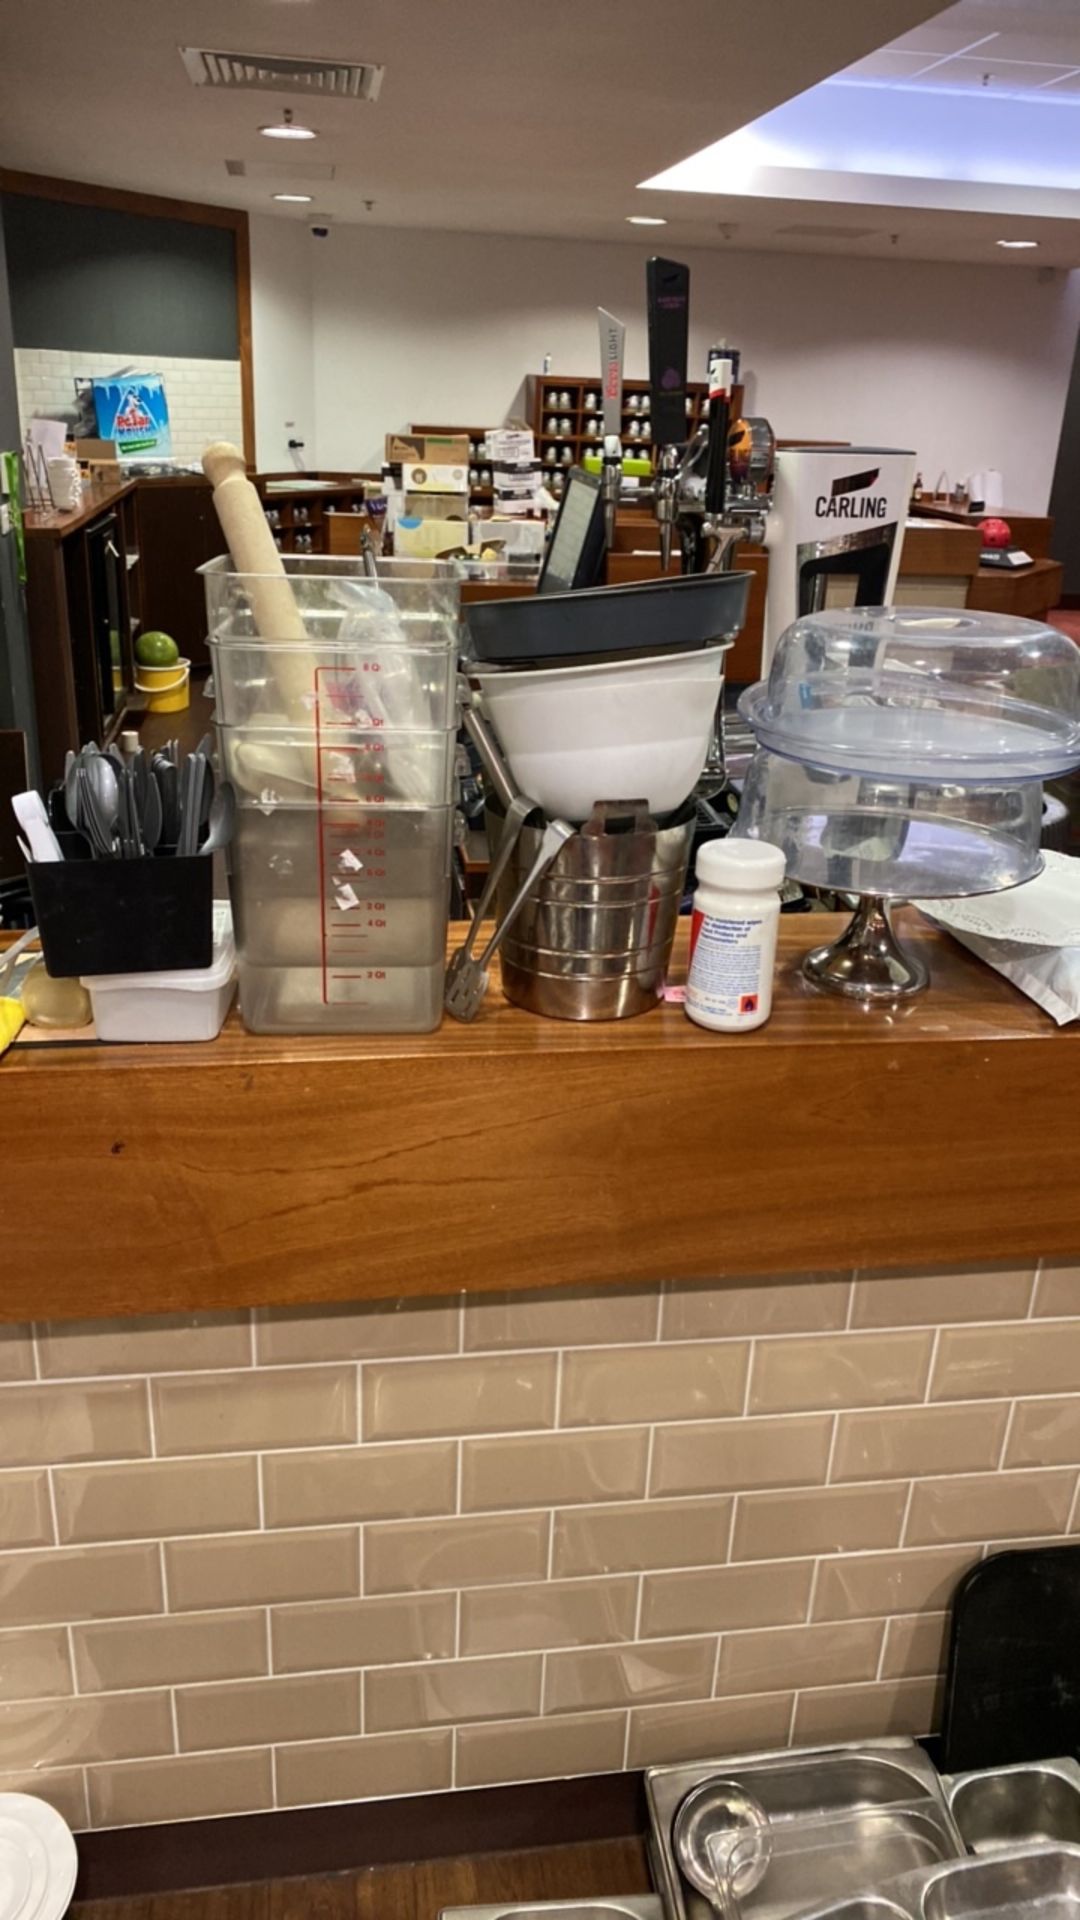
645	220
288	129
294	199
1017	243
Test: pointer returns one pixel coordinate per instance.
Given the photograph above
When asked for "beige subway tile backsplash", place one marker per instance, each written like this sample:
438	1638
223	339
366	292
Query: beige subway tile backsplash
111	1655
579	1681
450	1692
917	1440
223	1412
928	1299
724	1309
776	1526
35	1664
735	1455
1058	1289
56	1733
1045	1433
856	1713
171	1343
91	1583
101	1420
915	1644
886	1583
819	1656
473	1552
552	1613
699	1730
540	1470
288	1336
343	1552
25	1513
560	1317
723	1598
16	1354
364	1633
252	1569
540	1749
255	1713
850	1370
368	1769
978	1363
359	1483
495	1394
155	1498
658	1533
974	1506
190	1788
613	1385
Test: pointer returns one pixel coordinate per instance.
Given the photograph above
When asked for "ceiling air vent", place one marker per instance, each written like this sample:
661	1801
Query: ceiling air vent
281	73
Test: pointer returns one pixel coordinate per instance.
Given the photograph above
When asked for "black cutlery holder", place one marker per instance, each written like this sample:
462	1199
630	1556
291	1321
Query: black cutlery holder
124	916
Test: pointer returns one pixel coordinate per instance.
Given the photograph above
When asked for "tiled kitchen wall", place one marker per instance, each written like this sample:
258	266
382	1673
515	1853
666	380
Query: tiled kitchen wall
352	1552
203	395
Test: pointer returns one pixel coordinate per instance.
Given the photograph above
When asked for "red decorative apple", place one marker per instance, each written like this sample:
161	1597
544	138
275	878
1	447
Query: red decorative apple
995	533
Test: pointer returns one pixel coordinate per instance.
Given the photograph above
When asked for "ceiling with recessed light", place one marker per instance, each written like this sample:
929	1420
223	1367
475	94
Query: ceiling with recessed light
526	120
976	112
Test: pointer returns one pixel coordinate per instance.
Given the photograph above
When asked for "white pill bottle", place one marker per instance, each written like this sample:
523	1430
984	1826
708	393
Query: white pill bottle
733	934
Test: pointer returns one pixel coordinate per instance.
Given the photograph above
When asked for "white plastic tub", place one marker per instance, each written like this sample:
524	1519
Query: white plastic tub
189	1005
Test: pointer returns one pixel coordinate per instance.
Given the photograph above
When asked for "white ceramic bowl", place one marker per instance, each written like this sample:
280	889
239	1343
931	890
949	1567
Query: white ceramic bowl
618	730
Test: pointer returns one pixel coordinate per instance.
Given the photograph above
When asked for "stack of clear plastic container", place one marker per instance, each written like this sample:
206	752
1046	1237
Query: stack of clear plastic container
341	749
901	749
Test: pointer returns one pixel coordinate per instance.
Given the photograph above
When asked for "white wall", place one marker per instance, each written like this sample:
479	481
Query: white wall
968	365
281	343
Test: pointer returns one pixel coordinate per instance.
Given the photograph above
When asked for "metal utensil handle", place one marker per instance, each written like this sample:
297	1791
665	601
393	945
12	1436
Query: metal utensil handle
555	836
494	766
516	815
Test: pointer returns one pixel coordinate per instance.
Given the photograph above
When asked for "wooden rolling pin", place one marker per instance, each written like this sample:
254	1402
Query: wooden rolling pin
277	616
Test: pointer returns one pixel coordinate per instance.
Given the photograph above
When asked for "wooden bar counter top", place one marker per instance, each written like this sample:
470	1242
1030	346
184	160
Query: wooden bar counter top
520	1152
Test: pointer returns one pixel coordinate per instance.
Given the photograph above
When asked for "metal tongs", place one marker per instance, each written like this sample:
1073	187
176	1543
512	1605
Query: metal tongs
466	978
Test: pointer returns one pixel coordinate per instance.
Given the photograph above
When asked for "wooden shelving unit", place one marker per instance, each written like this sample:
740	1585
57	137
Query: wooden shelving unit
584	412
298	515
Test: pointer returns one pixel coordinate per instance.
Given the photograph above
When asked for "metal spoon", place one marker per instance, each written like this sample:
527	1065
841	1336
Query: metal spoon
222	818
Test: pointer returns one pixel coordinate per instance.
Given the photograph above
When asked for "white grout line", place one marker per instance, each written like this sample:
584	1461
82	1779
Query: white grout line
542	1708
626	1744
458	1470
175	1720
791	1723
639	1603
1006	1437
551	1546
35	1354
750	1361
359	1408
260	1491
661	1296
51	1491
150	1417
713	1694
457	1624
269	1644
461	1321
559	1365
75	1688
1040	1268
881	1649
254	1343
828	1480
650	1445
934	1344
359	1563
812	1595
849	1316
907	1514
1070	1522
164	1577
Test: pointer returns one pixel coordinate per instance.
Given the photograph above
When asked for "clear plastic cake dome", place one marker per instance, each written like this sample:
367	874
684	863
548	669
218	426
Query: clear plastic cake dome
928	693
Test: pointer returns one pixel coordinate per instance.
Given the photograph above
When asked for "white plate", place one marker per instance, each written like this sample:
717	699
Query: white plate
30	1844
51	1830
15	1880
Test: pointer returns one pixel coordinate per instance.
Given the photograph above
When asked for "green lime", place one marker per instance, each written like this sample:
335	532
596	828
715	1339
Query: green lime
156	650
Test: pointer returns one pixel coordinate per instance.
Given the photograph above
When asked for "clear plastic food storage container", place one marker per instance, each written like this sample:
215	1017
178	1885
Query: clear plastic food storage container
376	653
290	766
922	692
874	833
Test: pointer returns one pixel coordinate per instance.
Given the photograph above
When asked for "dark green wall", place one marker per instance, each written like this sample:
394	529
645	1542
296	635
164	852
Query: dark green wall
94	280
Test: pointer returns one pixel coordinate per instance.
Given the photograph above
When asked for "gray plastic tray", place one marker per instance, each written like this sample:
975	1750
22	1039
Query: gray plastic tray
651	616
